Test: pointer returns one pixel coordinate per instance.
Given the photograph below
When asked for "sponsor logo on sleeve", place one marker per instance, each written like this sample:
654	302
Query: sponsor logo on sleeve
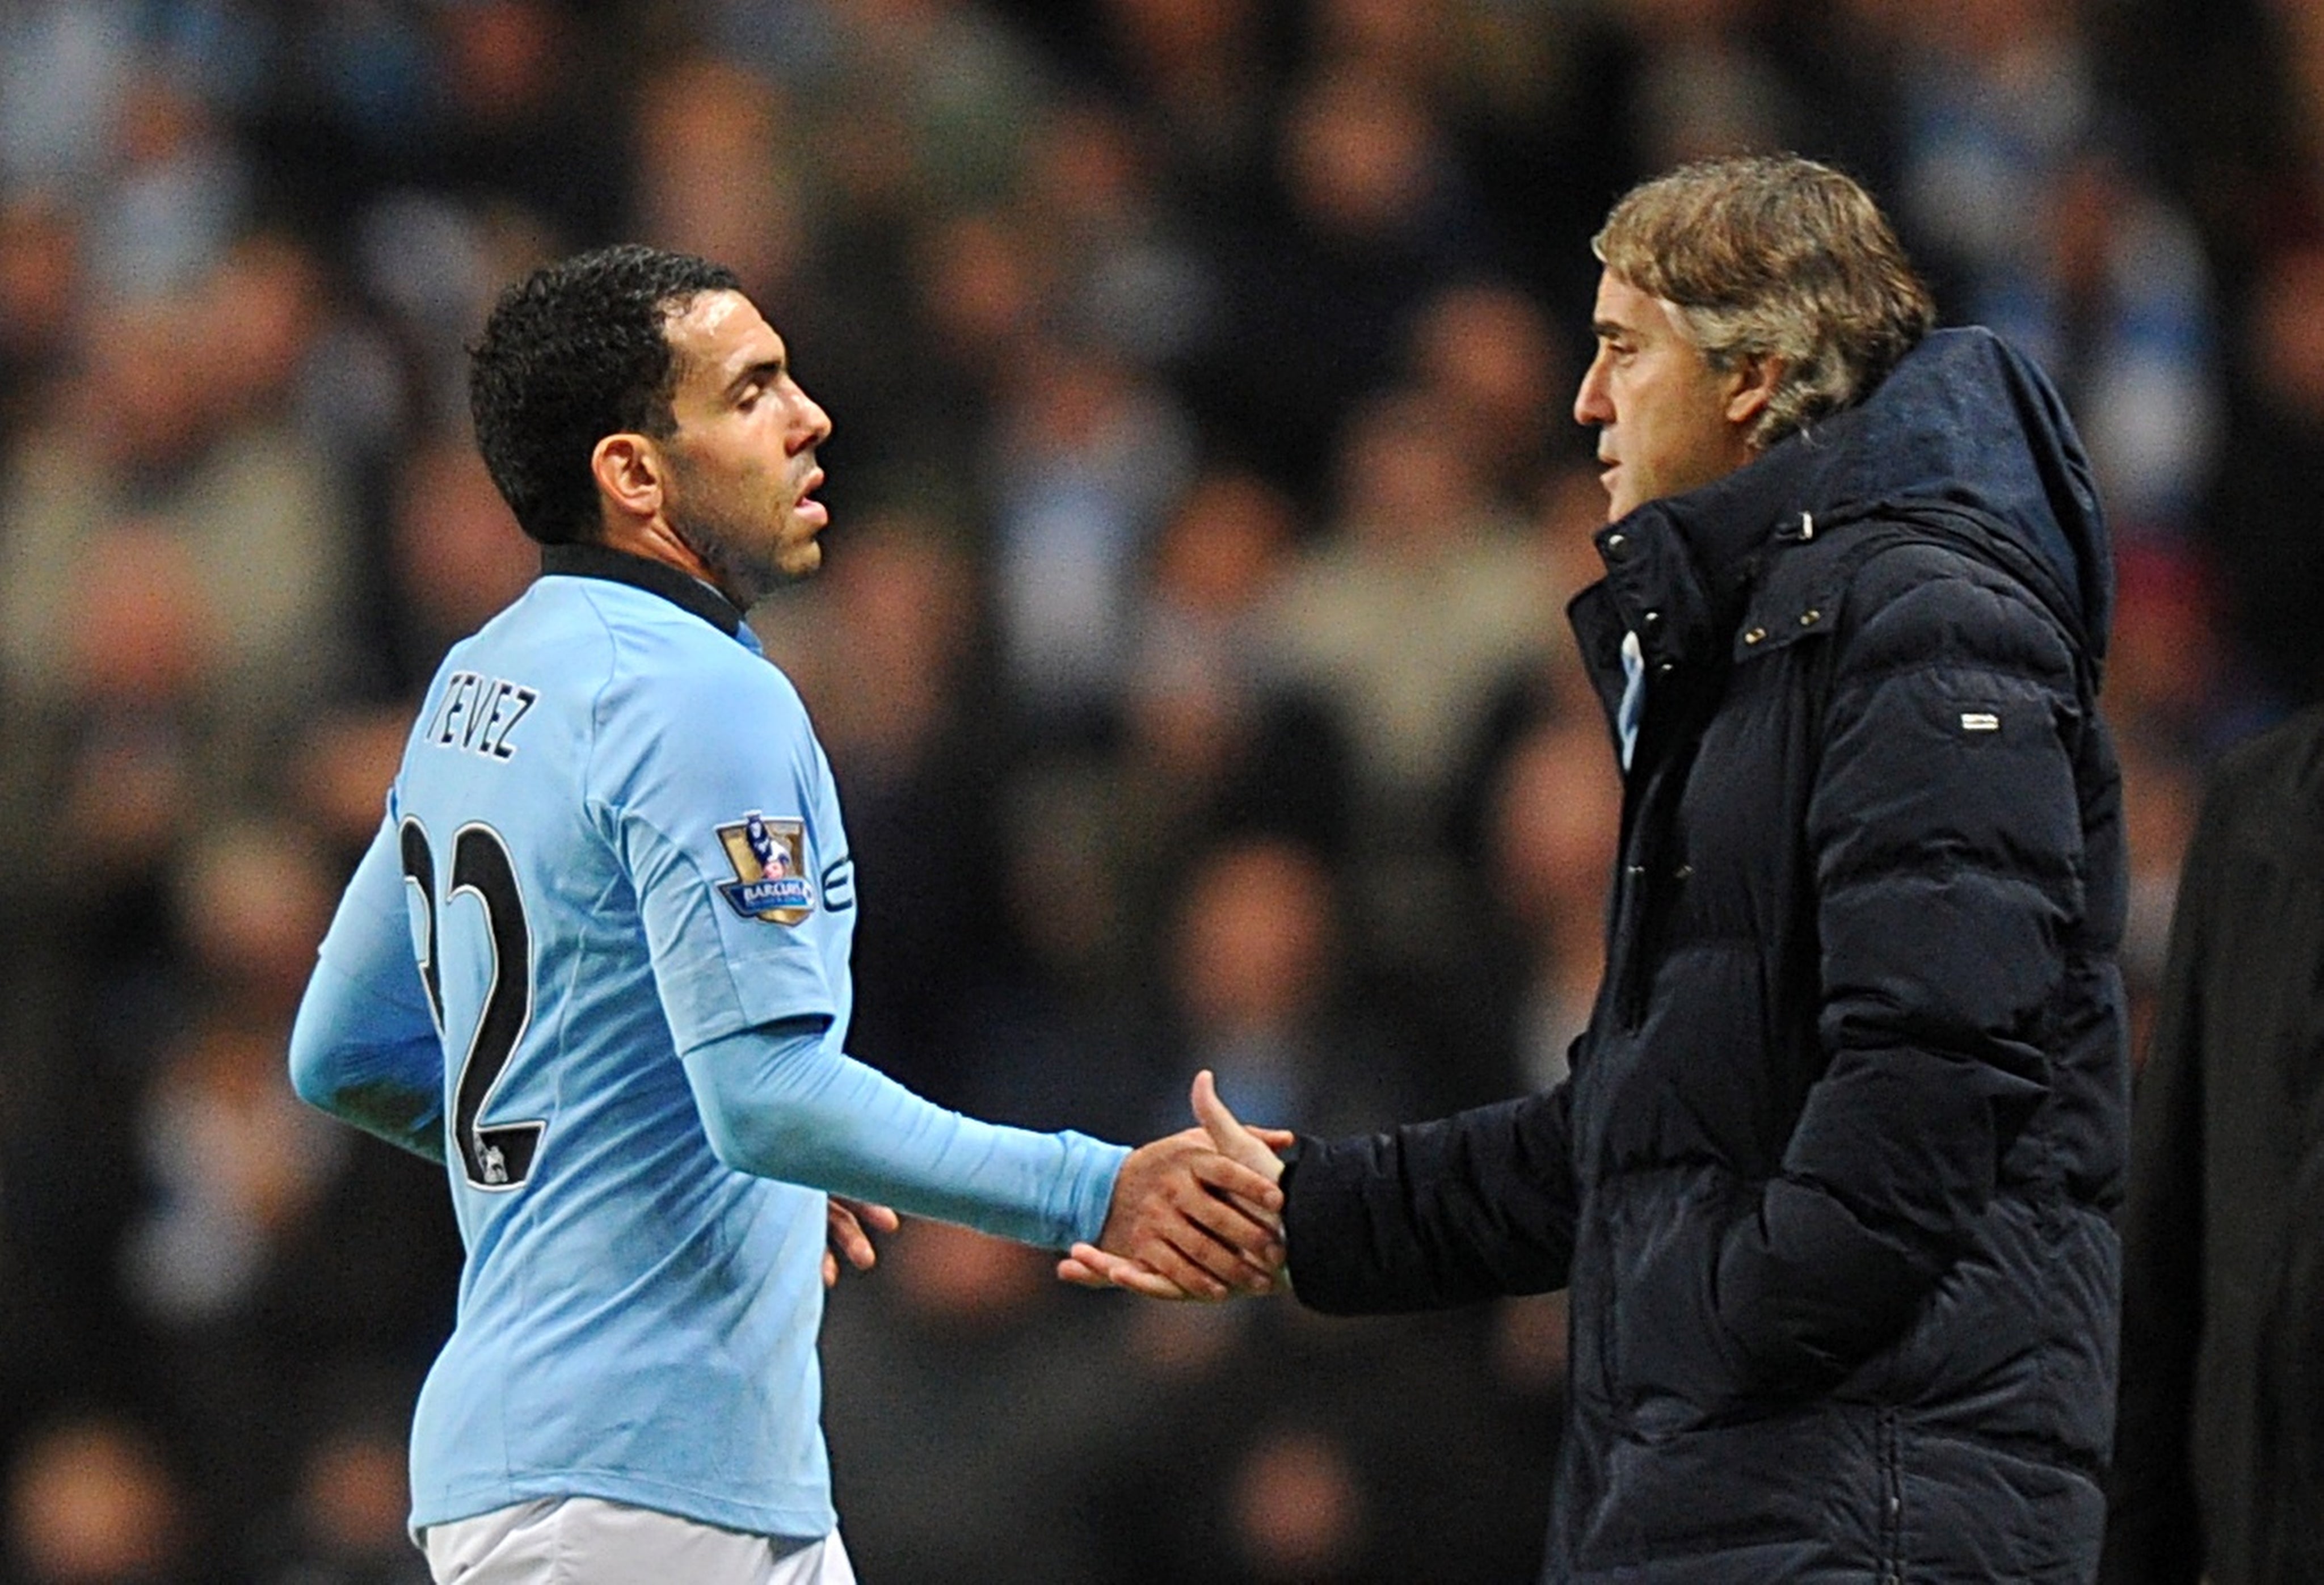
769	860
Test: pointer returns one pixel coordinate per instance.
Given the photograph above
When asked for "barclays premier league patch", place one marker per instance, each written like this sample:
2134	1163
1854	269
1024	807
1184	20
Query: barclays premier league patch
770	859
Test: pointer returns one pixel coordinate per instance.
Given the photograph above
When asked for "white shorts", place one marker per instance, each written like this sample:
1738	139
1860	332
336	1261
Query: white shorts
586	1541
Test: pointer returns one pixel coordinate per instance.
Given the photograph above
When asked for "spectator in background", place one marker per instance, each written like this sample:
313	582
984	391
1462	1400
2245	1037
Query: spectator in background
1378	211
1260	992
1259	1465
884	646
1087	453
2219	1457
1483	356
93	1501
1199	77
2113	298
1552	815
454	555
1704	85
41	289
1994	97
344	1524
177	189
1124	272
242	1262
1218	740
175	423
974	1347
717	174
1411	613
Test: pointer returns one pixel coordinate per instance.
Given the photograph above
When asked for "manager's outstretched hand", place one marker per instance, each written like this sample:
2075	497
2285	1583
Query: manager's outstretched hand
1227	1237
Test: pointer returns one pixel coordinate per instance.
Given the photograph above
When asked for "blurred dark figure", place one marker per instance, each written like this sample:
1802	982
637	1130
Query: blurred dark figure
2220	1452
1485	358
2267	517
268	1255
1554	806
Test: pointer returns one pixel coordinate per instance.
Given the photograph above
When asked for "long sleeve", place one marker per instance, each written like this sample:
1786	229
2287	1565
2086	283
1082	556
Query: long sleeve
782	1103
365	1047
1470	1206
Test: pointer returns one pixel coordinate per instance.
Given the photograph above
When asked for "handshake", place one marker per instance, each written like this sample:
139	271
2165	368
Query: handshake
1195	1215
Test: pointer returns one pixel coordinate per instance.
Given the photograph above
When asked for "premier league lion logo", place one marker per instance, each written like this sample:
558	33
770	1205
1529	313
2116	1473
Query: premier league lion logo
770	859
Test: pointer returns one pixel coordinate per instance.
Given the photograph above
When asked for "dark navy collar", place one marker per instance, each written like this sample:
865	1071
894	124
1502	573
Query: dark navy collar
656	577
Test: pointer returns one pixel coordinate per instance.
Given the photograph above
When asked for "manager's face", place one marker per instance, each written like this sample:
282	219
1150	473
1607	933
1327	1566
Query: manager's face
1666	420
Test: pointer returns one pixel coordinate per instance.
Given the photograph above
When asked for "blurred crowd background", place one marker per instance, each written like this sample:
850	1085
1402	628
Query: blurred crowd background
1189	649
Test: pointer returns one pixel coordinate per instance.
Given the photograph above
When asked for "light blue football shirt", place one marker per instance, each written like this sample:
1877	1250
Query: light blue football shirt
613	843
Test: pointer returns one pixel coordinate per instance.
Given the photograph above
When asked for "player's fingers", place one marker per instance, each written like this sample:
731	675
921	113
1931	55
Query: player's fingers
882	1217
1273	1138
1230	1176
830	1269
1093	1268
848	1238
1113	1271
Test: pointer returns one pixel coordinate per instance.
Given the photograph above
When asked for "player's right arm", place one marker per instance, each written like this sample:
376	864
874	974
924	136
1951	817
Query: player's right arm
754	995
364	1048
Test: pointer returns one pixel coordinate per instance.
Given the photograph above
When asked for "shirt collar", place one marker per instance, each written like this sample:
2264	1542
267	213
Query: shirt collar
682	590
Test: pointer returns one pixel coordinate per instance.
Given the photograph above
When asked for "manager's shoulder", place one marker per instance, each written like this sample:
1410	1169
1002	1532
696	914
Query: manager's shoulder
1922	599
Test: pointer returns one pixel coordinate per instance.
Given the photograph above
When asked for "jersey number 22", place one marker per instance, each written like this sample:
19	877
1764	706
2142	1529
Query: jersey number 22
495	1159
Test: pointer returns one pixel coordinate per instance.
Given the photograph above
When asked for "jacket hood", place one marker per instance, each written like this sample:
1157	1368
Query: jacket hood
1964	421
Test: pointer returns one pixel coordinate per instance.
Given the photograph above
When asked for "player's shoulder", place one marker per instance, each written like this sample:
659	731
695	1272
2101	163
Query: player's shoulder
673	668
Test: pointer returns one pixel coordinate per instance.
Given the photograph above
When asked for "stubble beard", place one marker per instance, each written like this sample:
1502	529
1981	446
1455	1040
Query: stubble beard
746	567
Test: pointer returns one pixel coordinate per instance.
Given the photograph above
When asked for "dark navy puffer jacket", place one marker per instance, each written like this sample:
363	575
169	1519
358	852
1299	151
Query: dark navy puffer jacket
1831	1182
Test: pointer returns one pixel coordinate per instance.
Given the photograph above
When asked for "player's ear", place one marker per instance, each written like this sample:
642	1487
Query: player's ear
629	470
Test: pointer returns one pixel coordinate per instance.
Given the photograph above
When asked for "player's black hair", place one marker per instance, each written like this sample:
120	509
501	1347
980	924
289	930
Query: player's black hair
575	351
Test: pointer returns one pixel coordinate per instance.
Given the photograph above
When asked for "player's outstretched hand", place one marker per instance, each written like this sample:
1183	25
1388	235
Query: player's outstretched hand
1202	1220
848	1219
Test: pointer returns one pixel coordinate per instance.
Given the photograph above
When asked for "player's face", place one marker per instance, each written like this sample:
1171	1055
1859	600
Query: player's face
1666	420
742	461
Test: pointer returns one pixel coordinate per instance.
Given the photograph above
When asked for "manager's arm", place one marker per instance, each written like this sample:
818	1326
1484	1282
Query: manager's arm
1468	1207
1949	852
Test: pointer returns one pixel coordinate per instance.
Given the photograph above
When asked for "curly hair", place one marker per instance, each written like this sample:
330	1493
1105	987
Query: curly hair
578	351
1775	254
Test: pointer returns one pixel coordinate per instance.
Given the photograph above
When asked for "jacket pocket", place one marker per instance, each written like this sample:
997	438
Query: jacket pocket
1673	1365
